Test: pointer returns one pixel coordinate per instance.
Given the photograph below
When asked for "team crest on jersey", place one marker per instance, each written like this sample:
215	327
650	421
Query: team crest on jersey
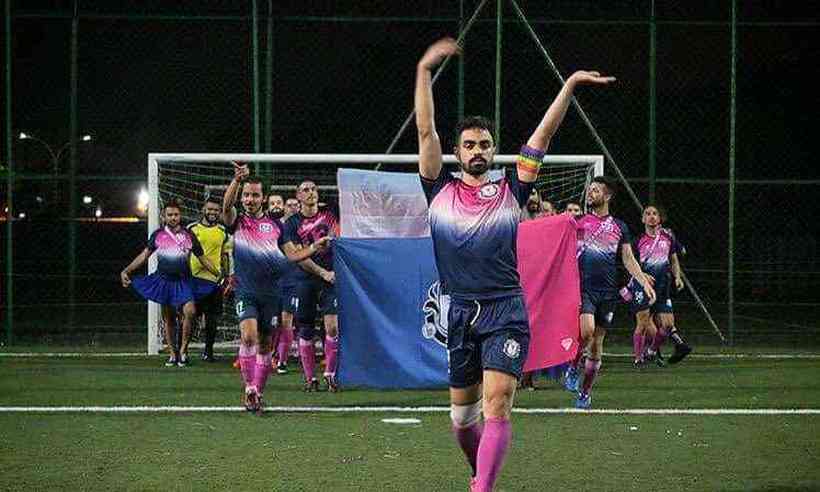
265	227
435	310
639	296
488	191
512	348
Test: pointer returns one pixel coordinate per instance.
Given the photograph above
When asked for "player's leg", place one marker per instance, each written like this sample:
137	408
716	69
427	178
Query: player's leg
305	318
572	378
285	338
266	325
212	308
188	315
644	327
666	319
604	316
329	308
169	321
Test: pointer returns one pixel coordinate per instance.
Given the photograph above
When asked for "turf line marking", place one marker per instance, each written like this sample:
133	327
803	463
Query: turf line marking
297	409
231	354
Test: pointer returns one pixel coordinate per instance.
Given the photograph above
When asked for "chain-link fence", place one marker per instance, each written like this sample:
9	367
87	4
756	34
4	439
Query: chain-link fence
687	129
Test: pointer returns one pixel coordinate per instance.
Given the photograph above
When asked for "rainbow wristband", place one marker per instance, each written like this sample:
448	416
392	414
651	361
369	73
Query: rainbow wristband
529	159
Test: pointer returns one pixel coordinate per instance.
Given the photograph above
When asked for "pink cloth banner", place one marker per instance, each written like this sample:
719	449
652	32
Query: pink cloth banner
549	276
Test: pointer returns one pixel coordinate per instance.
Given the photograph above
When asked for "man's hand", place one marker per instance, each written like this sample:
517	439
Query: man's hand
240	171
125	279
582	77
438	51
321	245
329	277
650	292
679	283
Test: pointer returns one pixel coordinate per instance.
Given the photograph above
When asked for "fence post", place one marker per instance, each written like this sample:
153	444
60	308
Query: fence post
732	135
653	39
72	174
9	187
499	22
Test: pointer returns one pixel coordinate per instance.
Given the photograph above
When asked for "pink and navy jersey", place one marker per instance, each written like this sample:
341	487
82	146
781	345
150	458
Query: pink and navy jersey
653	254
258	259
599	246
474	232
173	250
307	230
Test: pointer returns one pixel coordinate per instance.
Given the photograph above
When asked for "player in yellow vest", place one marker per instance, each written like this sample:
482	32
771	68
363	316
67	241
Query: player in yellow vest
214	239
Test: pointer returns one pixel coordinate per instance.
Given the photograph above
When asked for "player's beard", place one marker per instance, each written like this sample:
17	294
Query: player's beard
276	213
476	167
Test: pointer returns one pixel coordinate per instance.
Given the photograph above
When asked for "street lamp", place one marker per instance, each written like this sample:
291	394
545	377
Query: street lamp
55	156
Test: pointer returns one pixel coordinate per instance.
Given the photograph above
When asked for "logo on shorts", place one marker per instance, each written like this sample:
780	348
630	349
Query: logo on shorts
435	310
240	308
265	227
609	317
512	348
488	191
669	303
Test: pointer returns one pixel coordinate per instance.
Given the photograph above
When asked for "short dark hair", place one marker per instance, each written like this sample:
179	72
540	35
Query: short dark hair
610	183
661	210
473	122
213	199
254	180
572	202
172	203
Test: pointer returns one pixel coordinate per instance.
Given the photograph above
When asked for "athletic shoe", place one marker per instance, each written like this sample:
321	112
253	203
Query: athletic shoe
572	379
171	362
330	382
281	368
312	386
639	364
183	360
252	399
584	401
208	357
681	351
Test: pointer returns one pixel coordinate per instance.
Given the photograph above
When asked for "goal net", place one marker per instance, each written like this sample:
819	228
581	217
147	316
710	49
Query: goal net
191	178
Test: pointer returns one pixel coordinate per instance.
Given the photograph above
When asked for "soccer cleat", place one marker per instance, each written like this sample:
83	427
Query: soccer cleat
572	379
281	368
183	360
681	351
311	386
171	362
252	399
330	382
208	357
584	401
639	364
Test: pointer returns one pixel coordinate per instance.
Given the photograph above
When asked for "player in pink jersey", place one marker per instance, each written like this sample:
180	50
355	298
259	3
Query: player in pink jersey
658	250
172	285
258	263
473	224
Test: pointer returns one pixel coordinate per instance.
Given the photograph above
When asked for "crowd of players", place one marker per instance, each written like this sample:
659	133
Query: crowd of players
284	252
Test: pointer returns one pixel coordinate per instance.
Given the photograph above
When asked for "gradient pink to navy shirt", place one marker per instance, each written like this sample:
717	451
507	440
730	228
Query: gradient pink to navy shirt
173	250
258	259
600	239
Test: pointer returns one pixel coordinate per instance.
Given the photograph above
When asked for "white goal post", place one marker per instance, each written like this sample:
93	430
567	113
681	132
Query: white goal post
574	170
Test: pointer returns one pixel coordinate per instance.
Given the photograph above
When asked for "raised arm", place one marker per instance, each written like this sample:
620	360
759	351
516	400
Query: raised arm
543	133
229	198
632	266
429	143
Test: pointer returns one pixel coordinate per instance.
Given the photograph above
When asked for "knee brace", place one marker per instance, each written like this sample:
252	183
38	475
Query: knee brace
465	415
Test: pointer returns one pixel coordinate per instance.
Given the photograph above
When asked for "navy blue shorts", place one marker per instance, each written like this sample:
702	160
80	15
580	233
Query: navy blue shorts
489	334
312	293
289	300
602	305
265	310
639	301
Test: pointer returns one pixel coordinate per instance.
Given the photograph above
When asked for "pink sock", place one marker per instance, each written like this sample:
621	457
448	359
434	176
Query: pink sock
247	362
638	341
307	354
331	351
263	367
660	337
275	339
283	348
590	371
495	441
468	439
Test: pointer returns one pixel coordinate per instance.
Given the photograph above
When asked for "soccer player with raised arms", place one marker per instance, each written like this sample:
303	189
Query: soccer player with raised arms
473	223
258	262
